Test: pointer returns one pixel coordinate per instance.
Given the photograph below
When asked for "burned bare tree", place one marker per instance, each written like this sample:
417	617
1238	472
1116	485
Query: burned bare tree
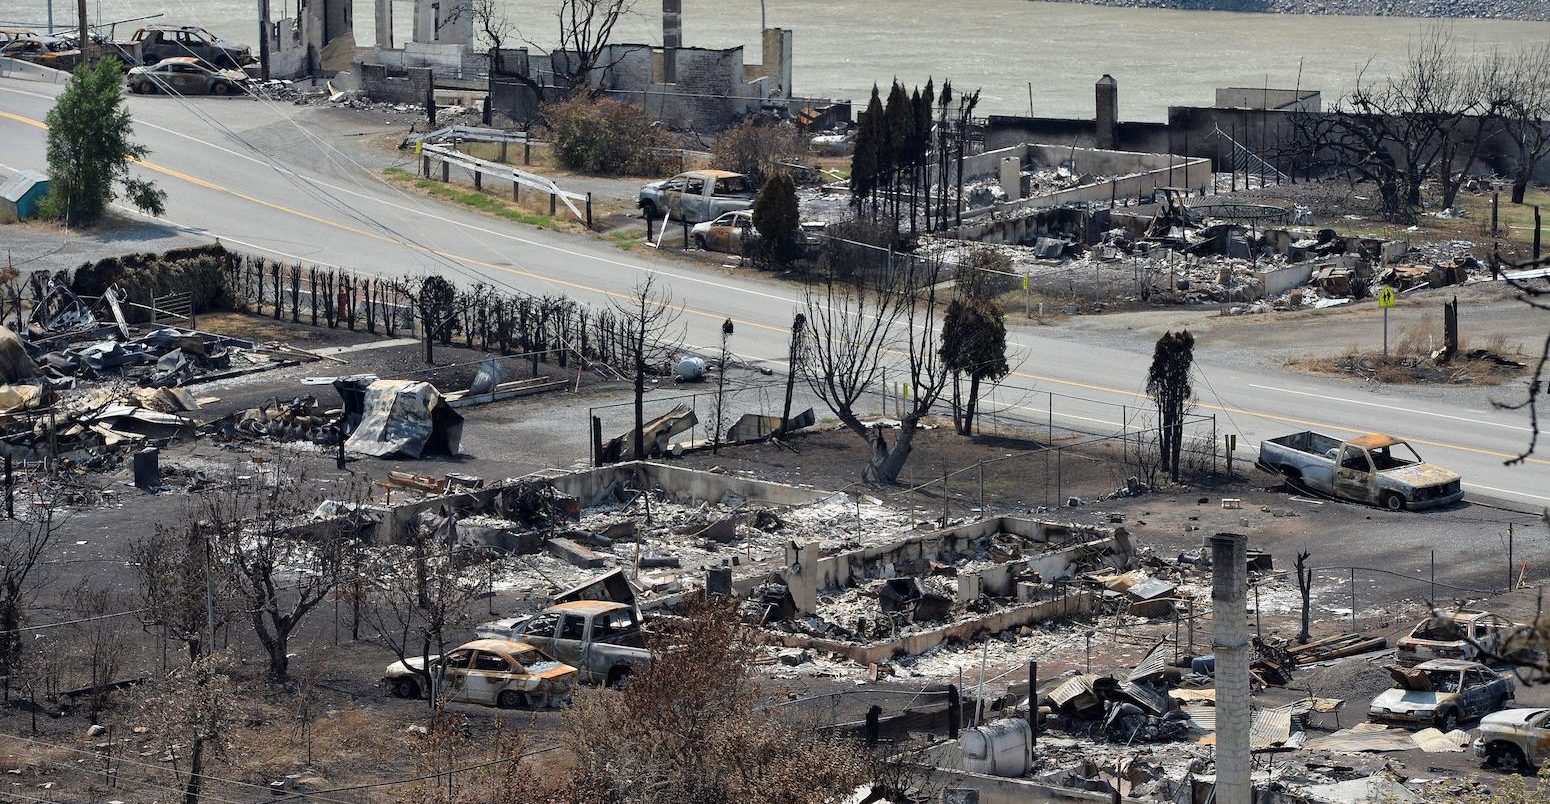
281	562
182	589
1167	383
581	57
688	729
421	593
1517	105
24	541
855	327
195	706
649	321
1399	131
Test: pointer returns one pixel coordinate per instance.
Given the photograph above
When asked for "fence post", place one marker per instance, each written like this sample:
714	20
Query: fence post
552	198
516	192
983	513
1353	599
445	171
589	210
1213	443
1051	415
478	180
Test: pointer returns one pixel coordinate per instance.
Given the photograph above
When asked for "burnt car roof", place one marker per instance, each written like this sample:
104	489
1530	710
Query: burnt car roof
1450	664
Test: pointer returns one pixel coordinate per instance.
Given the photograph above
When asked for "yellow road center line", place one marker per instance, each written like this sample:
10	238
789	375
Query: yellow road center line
718	316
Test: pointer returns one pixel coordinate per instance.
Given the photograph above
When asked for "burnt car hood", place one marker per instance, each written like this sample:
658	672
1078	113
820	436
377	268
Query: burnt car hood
551	670
1510	718
1411	700
1422	475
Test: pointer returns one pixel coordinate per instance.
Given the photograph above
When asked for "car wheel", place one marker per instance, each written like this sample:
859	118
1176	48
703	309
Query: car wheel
148	88
1447	720
220	88
618	676
508	699
539	698
1508	757
649	210
1393	501
406	688
699	242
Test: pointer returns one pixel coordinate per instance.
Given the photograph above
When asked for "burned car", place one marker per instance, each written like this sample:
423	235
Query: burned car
1515	740
494	672
185	75
1441	693
1374	469
1462	634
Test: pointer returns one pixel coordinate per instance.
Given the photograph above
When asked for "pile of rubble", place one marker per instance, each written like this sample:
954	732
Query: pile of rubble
78	380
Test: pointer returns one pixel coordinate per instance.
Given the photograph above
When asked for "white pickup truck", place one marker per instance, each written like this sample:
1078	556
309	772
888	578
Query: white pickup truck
1374	469
602	639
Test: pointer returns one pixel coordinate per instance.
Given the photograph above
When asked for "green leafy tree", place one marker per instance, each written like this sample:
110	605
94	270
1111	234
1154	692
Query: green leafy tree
864	167
973	345
778	219
89	149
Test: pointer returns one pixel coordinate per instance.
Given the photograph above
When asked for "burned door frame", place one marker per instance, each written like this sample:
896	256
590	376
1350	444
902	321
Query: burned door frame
453	680
1354	484
485	685
561	648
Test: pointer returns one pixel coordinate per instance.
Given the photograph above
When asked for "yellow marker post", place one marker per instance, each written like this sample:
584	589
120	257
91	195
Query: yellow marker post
1386	297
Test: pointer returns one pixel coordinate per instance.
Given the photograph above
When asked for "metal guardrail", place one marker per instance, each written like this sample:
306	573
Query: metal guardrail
517	176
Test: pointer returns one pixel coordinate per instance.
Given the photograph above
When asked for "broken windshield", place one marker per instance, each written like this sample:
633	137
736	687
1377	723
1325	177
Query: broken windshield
1394	456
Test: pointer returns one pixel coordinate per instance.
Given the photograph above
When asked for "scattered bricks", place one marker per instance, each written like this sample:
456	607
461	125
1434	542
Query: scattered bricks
574	553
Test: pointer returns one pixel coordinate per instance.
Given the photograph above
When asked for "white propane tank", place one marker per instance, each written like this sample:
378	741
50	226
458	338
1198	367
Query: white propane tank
999	748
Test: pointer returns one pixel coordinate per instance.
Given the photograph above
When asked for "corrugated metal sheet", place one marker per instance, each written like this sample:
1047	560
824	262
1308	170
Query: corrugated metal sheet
1202	719
1153	665
1072	689
1270	728
1144	697
1351	741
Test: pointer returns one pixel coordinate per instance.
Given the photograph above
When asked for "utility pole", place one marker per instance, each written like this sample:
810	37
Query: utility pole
263	39
80	10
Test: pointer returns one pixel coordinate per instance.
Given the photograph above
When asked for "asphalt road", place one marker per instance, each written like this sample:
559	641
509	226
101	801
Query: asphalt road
245	172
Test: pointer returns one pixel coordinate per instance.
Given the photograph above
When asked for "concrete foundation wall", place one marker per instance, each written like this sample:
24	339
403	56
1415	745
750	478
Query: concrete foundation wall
1002	790
708	95
594	486
846	569
1074	604
1081	224
445	60
1149	171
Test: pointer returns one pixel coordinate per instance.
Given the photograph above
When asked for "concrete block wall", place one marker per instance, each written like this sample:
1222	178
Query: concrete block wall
381	82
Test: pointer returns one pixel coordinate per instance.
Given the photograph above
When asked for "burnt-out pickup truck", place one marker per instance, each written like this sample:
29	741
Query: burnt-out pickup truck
1374	469
601	638
699	195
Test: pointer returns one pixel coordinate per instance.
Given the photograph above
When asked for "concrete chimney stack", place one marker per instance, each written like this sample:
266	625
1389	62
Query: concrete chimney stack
672	39
1106	120
1230	641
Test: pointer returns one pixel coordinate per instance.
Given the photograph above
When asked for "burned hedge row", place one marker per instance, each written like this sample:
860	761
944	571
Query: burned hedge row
480	316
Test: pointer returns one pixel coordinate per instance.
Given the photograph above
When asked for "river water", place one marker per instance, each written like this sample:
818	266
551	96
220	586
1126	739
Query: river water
1160	57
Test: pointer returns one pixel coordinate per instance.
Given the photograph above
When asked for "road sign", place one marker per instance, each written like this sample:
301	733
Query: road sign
1386	296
